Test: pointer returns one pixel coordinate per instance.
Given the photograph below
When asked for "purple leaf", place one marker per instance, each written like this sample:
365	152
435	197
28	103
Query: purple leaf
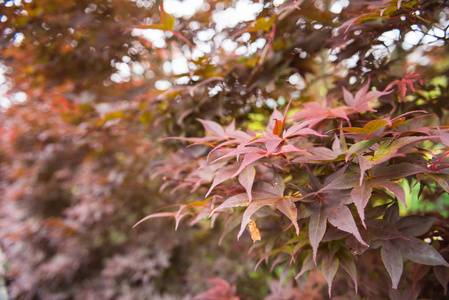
360	196
362	98
234	201
288	208
444	136
254	206
420	252
271	143
222	175
299	129
212	127
239	151
366	163
345	181
392	187
247	160
392	214
317	226
442	275
178	216
348	264
392	259
246	179
354	246
415	225
231	127
340	216
288	148
383	230
329	268
398	171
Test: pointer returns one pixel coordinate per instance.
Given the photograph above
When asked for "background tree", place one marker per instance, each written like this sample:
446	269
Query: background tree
321	180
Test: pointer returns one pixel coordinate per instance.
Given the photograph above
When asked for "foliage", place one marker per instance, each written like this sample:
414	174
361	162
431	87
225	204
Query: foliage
320	127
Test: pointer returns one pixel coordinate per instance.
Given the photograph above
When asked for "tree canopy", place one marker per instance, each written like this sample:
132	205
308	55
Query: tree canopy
300	147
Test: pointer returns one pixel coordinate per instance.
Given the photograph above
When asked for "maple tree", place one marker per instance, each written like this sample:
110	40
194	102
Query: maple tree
316	130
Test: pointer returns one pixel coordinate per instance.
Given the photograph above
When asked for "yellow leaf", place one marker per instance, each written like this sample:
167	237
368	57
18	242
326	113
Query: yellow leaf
200	203
369	127
263	23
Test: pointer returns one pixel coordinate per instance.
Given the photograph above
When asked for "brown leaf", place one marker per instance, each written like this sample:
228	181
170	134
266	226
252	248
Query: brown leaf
255	233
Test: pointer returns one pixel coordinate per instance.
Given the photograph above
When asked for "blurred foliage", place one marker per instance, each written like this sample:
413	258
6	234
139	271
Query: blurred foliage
80	158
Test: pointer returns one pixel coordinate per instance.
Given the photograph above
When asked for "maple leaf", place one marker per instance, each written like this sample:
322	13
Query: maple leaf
299	129
263	194
329	204
348	264
331	207
252	154
228	136
444	136
321	154
222	175
355	104
381	176
392	260
384	151
329	267
270	144
177	215
410	247
442	275
246	179
321	111
360	101
221	290
408	81
369	128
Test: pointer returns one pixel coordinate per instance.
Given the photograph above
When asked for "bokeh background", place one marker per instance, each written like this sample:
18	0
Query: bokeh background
88	88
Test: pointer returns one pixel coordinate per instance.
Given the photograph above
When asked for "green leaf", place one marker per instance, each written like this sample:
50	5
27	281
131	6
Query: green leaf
360	147
307	265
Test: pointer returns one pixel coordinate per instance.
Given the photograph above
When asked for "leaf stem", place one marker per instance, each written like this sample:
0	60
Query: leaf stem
433	166
177	34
